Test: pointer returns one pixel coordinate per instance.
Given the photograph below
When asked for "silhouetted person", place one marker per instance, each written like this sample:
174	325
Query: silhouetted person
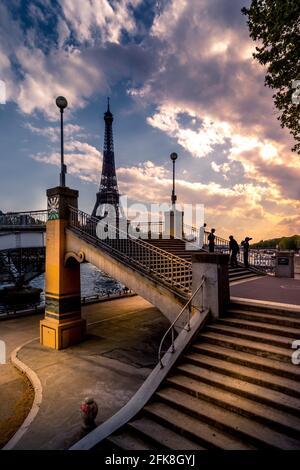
211	241
202	235
246	246
234	249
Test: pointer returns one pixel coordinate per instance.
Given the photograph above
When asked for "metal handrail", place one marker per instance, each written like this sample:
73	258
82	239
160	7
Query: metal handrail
152	229
187	326
131	237
256	260
41	211
22	219
169	268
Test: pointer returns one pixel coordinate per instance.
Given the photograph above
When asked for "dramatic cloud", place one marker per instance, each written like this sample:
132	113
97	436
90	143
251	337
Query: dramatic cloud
53	133
97	21
36	74
190	79
199	142
82	159
223	206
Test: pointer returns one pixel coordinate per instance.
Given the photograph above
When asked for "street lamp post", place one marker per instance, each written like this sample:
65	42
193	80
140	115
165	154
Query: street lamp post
173	157
62	103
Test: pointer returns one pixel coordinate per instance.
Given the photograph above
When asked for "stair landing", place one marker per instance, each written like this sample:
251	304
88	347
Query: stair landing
269	289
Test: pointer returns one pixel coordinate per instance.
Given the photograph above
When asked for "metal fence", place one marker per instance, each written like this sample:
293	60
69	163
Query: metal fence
23	219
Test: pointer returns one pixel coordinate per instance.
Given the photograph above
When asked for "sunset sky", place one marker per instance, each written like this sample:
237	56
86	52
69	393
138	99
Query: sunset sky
181	78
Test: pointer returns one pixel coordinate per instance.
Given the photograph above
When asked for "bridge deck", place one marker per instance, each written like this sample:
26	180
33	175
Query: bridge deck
270	289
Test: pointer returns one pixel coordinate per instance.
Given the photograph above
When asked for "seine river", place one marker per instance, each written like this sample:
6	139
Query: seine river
93	281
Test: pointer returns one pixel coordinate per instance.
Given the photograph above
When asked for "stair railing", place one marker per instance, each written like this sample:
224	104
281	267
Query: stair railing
172	329
257	261
164	266
150	229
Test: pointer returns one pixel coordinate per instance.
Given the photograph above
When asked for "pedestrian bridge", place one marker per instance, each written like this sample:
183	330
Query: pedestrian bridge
162	278
21	240
22	246
158	269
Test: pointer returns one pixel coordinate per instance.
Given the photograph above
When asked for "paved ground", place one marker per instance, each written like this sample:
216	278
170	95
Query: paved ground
16	394
16	397
270	288
110	365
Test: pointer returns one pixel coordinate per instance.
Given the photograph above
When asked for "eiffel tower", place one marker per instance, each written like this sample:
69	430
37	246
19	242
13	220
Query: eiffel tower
108	196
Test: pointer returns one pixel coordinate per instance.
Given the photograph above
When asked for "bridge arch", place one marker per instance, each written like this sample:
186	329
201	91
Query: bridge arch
72	259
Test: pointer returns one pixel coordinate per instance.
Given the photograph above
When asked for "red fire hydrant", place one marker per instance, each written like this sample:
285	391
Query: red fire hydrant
89	410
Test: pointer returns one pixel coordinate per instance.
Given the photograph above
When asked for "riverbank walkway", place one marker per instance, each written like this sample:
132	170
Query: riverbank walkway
110	365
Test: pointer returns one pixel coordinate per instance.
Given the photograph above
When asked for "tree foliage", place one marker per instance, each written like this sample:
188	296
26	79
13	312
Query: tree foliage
275	24
284	243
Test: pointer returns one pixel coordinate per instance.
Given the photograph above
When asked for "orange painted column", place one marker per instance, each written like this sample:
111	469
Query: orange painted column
62	326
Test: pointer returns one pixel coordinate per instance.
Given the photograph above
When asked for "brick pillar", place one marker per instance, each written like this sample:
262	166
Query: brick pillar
62	325
216	295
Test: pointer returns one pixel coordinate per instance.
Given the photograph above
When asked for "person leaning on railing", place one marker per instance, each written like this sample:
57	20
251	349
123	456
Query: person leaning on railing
211	241
246	246
234	249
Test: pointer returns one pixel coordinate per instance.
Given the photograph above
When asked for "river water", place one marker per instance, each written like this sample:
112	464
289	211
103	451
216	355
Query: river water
93	281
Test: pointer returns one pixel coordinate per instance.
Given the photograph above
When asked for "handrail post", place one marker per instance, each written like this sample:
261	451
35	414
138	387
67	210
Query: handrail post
173	348
189	316
172	327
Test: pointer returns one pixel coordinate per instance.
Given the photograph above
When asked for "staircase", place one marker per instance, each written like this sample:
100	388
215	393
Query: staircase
163	267
174	246
234	388
177	247
241	273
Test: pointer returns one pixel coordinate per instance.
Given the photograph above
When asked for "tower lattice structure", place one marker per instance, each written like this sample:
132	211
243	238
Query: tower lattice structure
108	196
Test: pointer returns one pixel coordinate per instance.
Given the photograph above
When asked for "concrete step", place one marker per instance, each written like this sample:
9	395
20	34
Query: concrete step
165	241
176	250
239	268
168	246
265	309
255	392
252	347
242	277
282	421
247	430
289	321
161	435
245	373
193	428
260	363
238	276
238	271
257	336
126	440
262	327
